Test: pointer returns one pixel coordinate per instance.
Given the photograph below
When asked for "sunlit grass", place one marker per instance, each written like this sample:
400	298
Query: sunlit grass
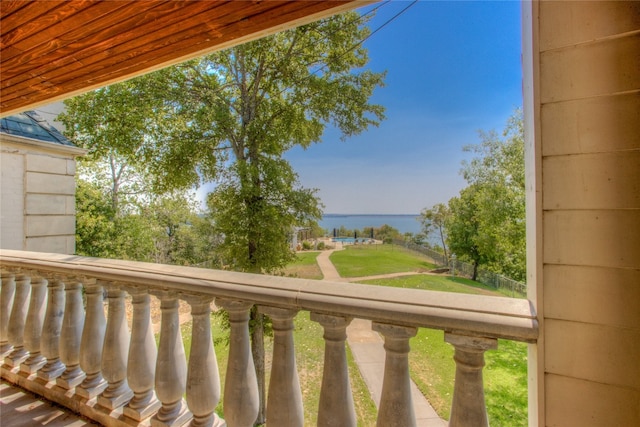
433	368
371	260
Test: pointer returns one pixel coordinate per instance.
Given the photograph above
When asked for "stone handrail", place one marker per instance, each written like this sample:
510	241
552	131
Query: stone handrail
117	377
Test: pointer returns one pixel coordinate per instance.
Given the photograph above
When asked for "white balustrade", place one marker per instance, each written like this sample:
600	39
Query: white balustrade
7	294
336	400
142	358
51	328
241	386
91	343
131	382
396	405
17	321
70	336
115	352
33	326
468	406
203	379
171	366
284	404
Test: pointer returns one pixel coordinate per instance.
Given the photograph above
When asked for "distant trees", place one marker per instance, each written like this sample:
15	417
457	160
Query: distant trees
485	223
434	222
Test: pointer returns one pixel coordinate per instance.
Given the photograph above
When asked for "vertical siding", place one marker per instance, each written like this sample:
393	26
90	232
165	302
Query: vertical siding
589	110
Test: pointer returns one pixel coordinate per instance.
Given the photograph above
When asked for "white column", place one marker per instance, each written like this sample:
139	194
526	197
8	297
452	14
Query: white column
284	403
17	321
92	341
33	326
115	351
336	400
6	302
203	379
70	335
142	358
50	341
171	367
396	405
241	385
468	406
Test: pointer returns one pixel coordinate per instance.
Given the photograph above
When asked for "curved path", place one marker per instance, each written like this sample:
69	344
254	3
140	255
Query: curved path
368	351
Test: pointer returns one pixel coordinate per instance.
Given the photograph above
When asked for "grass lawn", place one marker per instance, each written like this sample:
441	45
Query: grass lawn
309	359
371	260
433	369
305	266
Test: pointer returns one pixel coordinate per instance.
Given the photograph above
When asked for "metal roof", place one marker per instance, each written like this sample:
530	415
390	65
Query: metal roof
30	125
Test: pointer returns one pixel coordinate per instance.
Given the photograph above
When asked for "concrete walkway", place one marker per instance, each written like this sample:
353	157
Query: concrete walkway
368	352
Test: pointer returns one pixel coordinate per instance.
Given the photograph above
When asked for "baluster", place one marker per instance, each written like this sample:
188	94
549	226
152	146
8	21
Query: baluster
171	367
50	342
33	326
115	351
6	302
203	380
336	400
17	321
92	341
284	404
396	406
241	400
70	335
468	406
142	358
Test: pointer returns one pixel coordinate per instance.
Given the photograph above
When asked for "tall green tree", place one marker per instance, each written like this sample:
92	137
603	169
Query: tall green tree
487	221
260	100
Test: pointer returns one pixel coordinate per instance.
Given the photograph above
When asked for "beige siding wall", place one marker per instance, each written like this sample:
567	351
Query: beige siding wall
589	131
38	199
11	200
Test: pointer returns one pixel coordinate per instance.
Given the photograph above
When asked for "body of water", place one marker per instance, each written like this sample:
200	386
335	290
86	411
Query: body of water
403	223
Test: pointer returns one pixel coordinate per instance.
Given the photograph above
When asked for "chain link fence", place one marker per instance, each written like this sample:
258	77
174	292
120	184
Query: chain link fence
495	280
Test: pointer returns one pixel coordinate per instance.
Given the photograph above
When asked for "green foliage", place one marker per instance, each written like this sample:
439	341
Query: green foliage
434	222
486	224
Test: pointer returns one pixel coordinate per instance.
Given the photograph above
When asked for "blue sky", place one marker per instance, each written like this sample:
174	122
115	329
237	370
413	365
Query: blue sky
452	68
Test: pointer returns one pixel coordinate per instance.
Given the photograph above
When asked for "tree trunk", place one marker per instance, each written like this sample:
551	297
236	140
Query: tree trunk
257	352
475	270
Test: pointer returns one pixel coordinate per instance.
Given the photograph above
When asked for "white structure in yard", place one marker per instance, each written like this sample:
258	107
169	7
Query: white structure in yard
37	185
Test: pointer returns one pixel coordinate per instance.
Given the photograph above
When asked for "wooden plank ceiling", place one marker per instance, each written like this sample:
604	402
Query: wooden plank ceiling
55	49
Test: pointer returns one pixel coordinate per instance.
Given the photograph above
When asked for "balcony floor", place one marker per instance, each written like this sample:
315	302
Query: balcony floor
19	408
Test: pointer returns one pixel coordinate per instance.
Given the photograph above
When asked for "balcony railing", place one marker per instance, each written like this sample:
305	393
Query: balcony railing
60	346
